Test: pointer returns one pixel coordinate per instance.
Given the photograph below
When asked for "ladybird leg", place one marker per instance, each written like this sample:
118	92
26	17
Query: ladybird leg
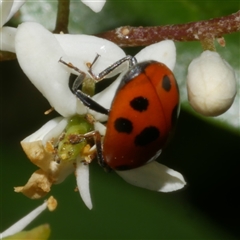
70	65
84	98
132	61
98	141
89	102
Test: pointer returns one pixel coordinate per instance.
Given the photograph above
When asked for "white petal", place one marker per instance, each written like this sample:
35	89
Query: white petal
56	131
8	9
82	49
22	223
8	39
96	6
5	9
100	128
15	7
38	53
40	153
154	176
44	130
164	52
82	175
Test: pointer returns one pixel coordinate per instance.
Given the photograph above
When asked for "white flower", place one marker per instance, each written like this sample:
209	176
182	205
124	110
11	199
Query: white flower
39	148
95	5
38	52
211	84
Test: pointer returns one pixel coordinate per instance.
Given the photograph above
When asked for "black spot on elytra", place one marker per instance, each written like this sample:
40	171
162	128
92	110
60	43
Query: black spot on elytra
147	135
139	104
166	83
174	115
123	125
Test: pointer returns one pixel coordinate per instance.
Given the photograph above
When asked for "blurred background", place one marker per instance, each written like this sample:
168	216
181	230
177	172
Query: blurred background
205	150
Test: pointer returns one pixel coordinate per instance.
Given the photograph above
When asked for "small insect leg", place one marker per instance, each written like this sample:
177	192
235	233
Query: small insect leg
132	61
98	141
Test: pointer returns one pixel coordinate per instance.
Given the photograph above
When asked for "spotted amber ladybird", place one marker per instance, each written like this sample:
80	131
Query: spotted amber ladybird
142	116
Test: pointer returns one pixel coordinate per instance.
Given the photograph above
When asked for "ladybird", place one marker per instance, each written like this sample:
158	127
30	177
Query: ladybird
142	115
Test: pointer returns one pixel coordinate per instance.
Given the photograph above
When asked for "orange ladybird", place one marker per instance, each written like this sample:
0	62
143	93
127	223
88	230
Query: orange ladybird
142	116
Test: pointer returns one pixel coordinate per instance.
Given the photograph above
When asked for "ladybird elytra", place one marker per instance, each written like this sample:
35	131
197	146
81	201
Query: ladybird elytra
166	87
140	117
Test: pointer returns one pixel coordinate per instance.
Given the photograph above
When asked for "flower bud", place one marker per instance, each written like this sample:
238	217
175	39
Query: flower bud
211	84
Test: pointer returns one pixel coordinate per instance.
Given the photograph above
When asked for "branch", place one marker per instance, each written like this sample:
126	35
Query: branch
128	36
62	16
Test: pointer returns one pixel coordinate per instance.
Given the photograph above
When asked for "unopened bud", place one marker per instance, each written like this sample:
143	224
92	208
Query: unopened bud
211	84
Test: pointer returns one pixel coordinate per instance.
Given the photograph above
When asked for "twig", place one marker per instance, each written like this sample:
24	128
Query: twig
128	36
62	16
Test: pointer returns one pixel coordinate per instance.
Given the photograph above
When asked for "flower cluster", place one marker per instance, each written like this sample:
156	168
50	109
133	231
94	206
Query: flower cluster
211	86
27	42
53	84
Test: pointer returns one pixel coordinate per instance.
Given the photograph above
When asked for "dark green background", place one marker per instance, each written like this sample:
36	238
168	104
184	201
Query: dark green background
205	152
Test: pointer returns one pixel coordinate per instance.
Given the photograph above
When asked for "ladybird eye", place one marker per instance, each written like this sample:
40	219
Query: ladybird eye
123	125
139	104
166	83
147	135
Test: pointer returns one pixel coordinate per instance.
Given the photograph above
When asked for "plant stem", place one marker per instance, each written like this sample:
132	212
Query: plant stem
128	36
62	16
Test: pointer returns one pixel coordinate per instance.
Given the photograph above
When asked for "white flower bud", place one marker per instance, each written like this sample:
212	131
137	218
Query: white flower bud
211	84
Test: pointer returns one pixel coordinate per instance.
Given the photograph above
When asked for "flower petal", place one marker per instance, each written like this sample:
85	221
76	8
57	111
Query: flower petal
45	129
96	6
8	9
37	186
100	128
154	176
41	231
38	147
164	51
82	49
38	53
22	223
8	39
82	176
5	9
54	131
